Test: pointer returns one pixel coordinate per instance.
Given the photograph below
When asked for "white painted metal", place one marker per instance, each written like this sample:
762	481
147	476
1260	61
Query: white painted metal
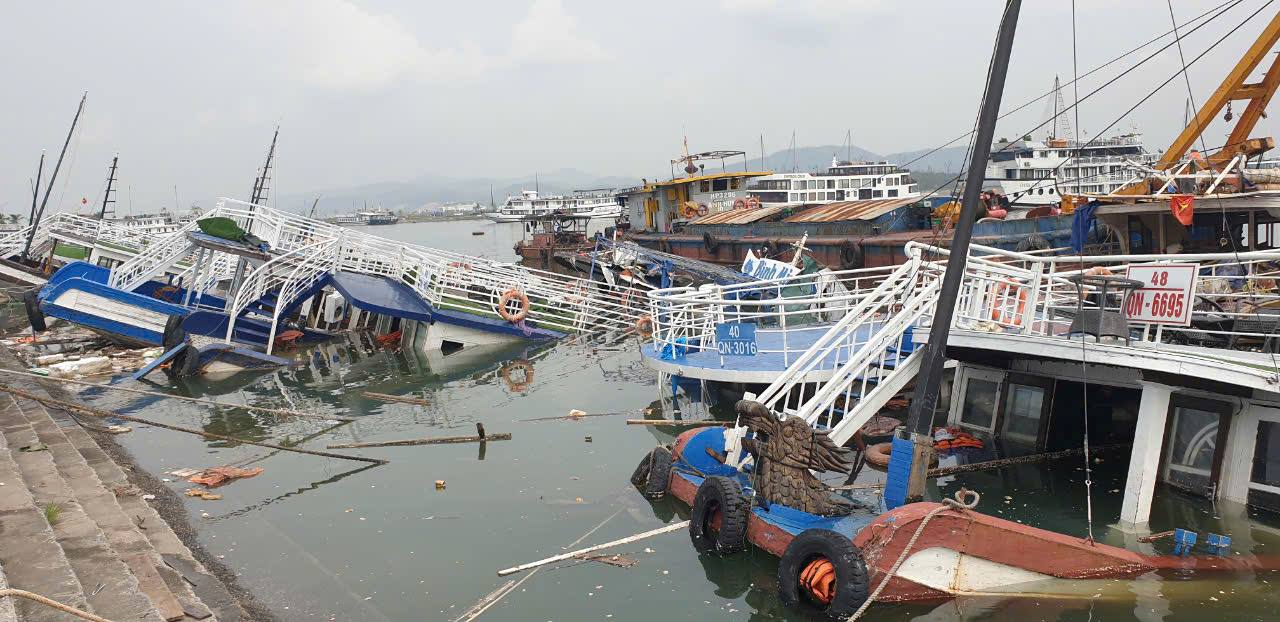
1144	459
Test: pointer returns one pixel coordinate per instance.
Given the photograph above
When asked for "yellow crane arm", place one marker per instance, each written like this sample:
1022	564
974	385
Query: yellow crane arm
1233	88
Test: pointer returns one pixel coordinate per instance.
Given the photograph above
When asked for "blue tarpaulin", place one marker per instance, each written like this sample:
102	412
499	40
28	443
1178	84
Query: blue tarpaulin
1081	224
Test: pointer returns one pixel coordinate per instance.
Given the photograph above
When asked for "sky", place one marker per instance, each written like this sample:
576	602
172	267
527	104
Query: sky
364	91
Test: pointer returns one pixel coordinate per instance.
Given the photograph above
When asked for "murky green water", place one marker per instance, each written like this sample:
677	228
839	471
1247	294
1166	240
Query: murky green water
324	539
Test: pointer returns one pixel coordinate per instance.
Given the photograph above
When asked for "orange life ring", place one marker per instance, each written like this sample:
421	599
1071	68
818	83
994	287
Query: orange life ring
1002	295
507	314
522	365
644	326
739	204
753	202
878	455
166	293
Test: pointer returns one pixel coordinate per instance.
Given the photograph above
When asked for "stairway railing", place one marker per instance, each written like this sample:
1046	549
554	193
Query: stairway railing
272	275
153	259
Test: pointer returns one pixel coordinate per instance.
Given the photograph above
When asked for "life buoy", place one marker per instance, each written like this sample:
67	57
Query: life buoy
644	326
167	293
513	316
739	204
998	314
878	455
702	210
689	209
753	202
521	365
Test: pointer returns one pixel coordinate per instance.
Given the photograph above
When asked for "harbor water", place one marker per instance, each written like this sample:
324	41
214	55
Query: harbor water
323	539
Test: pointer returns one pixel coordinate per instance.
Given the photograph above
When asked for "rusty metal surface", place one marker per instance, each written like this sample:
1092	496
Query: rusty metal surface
850	210
738	216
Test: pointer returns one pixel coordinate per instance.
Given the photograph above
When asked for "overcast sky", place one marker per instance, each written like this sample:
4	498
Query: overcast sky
381	90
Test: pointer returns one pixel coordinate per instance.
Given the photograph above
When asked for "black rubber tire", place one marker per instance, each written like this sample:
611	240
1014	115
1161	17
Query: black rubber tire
173	333
851	256
852	580
719	493
653	474
34	315
1032	242
710	242
641	474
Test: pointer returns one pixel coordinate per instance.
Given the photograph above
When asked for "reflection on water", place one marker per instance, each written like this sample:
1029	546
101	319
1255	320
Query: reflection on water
325	539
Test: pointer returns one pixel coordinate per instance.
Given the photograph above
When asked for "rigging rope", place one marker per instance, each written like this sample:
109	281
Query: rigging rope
1102	303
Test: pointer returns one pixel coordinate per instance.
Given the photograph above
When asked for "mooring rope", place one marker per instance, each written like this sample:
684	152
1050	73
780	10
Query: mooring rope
44	600
947	504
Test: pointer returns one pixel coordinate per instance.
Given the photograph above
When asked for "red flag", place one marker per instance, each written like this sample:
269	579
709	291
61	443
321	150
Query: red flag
1182	206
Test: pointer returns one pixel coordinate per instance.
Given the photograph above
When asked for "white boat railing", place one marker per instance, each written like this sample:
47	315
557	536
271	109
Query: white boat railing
449	281
801	307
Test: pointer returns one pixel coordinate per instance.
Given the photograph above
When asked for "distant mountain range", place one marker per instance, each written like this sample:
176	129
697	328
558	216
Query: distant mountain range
428	189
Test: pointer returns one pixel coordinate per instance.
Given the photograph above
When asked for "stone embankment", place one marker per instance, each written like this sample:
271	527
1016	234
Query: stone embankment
74	529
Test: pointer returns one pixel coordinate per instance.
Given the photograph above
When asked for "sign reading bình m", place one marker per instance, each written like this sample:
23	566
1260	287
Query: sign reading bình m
736	339
764	269
1167	294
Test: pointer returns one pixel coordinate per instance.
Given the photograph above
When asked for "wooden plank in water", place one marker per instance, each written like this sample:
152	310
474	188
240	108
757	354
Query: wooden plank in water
674	422
403	399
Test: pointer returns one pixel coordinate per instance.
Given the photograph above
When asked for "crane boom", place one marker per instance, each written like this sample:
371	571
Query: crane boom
1234	88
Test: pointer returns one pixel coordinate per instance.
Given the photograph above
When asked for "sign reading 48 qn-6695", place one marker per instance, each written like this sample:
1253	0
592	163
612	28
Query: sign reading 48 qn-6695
1167	294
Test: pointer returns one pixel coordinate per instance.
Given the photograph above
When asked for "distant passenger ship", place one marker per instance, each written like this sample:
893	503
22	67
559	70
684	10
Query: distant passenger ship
597	203
377	216
1034	173
843	181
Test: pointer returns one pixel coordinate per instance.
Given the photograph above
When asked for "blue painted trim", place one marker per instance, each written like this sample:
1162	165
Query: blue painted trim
899	472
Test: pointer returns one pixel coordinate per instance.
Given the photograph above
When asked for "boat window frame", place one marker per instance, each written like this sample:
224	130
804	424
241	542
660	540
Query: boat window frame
1267	415
1225	412
1048	385
960	390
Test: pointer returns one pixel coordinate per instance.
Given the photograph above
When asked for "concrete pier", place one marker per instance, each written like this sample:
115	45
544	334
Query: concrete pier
74	529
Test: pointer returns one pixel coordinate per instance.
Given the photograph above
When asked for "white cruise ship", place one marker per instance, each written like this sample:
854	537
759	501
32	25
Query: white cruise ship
598	203
379	216
844	181
1035	173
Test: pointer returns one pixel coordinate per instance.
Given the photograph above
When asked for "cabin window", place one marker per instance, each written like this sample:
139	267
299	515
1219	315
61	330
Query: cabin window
1023	411
734	182
831	184
978	397
1192	444
704	186
1266	455
893	193
878	194
718	185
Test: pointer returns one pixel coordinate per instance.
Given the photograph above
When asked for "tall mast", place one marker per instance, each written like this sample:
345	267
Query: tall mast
35	190
260	184
762	168
54	176
925	399
111	180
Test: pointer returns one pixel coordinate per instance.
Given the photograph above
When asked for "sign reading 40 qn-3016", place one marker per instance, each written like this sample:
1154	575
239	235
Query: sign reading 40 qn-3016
1167	294
736	339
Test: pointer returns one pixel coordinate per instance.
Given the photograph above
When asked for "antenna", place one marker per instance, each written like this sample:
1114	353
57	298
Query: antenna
106	196
848	141
793	151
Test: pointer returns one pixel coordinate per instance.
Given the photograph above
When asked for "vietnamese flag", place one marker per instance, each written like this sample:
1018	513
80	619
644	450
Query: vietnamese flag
1182	206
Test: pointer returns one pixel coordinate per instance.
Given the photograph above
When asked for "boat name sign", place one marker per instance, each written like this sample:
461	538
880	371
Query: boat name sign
1166	296
765	269
736	339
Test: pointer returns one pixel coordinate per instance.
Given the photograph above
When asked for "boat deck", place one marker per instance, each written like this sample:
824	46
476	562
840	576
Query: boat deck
777	350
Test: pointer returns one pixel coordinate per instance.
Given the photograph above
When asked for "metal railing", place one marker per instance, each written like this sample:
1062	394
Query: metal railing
444	279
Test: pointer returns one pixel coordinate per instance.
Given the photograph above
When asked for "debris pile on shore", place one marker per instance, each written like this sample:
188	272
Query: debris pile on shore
74	352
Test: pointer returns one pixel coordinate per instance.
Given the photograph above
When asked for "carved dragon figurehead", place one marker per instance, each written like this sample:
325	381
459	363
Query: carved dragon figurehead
784	452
